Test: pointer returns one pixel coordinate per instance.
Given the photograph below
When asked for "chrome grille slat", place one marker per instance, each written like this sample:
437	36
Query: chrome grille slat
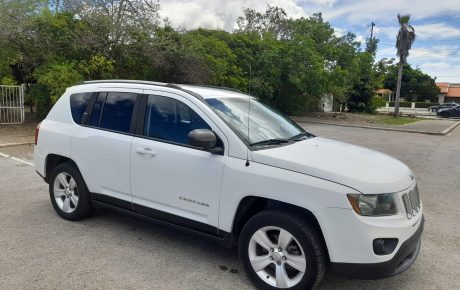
411	202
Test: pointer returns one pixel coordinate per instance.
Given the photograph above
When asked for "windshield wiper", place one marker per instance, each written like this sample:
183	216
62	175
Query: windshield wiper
270	142
300	136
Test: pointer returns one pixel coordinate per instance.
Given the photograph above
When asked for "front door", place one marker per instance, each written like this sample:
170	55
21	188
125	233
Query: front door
171	180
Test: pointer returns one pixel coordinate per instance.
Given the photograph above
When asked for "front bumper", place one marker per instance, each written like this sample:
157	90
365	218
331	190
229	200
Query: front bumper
401	261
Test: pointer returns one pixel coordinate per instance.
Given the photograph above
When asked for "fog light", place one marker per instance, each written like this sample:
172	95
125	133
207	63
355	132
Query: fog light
384	246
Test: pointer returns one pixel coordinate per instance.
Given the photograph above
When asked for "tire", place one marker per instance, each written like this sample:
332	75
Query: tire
68	193
445	115
305	251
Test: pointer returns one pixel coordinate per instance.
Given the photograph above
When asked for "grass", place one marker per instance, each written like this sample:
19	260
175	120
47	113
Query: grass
364	119
389	120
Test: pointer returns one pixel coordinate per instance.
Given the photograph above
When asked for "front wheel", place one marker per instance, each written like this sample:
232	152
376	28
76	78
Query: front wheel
281	250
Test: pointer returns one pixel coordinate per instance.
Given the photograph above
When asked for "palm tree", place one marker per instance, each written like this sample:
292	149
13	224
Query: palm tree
404	41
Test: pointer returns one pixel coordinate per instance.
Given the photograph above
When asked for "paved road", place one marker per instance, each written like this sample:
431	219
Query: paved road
40	250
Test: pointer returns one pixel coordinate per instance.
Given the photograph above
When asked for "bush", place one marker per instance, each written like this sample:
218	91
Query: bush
374	104
402	104
424	105
8	81
40	96
58	77
417	104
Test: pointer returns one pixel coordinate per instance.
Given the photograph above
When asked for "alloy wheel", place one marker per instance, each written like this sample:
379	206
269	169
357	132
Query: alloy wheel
277	257
65	192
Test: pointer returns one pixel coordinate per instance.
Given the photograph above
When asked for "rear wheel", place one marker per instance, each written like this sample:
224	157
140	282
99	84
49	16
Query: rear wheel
445	114
281	250
68	192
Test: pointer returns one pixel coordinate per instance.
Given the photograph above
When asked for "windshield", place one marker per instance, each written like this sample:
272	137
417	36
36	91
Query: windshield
266	125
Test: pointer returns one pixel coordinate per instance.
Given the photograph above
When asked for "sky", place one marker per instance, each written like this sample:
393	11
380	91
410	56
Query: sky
436	50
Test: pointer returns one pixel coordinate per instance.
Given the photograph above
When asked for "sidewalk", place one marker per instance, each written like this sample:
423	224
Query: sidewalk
431	127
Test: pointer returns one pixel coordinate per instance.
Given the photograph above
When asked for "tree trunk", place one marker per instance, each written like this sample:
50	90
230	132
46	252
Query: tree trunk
398	90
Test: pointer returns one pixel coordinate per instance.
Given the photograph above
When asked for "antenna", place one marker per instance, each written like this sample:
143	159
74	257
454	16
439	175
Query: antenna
249	110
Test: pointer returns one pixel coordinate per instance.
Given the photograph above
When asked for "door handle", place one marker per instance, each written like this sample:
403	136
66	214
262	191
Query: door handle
145	151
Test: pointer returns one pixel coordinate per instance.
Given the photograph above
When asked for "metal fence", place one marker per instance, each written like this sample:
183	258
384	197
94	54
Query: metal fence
11	104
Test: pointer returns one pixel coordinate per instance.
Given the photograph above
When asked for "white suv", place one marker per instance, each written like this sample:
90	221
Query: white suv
190	157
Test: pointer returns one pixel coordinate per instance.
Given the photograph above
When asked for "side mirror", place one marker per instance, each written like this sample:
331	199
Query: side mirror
205	139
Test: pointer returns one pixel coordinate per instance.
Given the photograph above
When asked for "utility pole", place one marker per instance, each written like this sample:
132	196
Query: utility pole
372	29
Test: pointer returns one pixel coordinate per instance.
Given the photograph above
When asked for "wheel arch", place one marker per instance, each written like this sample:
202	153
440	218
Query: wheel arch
53	160
251	205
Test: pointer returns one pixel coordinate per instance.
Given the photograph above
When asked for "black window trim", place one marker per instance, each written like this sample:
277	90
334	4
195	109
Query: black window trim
133	125
139	131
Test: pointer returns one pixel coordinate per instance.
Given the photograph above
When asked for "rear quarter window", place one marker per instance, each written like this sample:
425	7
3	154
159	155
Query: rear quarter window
78	104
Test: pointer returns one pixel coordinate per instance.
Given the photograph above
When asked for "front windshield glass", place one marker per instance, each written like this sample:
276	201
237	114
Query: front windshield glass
266	125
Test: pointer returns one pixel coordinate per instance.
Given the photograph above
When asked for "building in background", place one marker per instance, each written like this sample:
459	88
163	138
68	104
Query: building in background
450	92
386	94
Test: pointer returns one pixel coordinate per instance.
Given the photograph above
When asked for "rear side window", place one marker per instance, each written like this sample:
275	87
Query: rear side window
78	104
171	120
117	111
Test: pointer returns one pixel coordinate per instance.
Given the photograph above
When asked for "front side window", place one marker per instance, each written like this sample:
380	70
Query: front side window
170	120
117	111
266	125
78	104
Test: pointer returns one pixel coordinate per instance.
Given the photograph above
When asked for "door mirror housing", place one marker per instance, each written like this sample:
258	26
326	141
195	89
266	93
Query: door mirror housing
205	139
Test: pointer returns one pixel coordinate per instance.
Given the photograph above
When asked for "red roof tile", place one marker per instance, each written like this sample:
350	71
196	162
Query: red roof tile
443	86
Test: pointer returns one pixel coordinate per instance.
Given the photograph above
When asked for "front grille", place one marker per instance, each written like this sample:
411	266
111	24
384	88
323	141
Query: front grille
411	202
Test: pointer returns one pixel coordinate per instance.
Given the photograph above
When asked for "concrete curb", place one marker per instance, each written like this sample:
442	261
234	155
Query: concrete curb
451	128
16	144
445	132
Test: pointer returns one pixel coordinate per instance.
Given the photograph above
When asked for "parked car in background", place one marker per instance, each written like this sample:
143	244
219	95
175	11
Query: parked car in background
191	158
449	112
442	106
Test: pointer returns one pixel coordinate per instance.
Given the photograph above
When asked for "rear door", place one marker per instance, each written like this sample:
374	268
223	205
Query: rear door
171	180
101	147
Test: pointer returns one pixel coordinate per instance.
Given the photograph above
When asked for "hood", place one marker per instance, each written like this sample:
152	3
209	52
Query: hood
365	170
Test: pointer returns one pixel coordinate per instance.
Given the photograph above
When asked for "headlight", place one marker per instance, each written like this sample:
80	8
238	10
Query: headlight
373	204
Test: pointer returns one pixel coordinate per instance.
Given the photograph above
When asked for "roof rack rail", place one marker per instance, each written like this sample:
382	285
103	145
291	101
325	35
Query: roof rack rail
222	88
174	86
124	82
169	85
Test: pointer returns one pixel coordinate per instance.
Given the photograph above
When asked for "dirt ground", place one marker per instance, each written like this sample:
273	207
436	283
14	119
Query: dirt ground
19	133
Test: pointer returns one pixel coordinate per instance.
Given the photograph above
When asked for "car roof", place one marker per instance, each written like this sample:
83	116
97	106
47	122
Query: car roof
199	91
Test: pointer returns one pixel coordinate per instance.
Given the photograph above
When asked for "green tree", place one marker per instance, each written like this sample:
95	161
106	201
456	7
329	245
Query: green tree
415	85
58	77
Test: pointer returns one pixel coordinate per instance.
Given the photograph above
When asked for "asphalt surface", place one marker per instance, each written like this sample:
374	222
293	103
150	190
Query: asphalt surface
40	250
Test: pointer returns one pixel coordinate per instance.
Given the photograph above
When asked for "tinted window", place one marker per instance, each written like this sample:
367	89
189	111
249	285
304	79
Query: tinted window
78	104
170	120
97	109
117	111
